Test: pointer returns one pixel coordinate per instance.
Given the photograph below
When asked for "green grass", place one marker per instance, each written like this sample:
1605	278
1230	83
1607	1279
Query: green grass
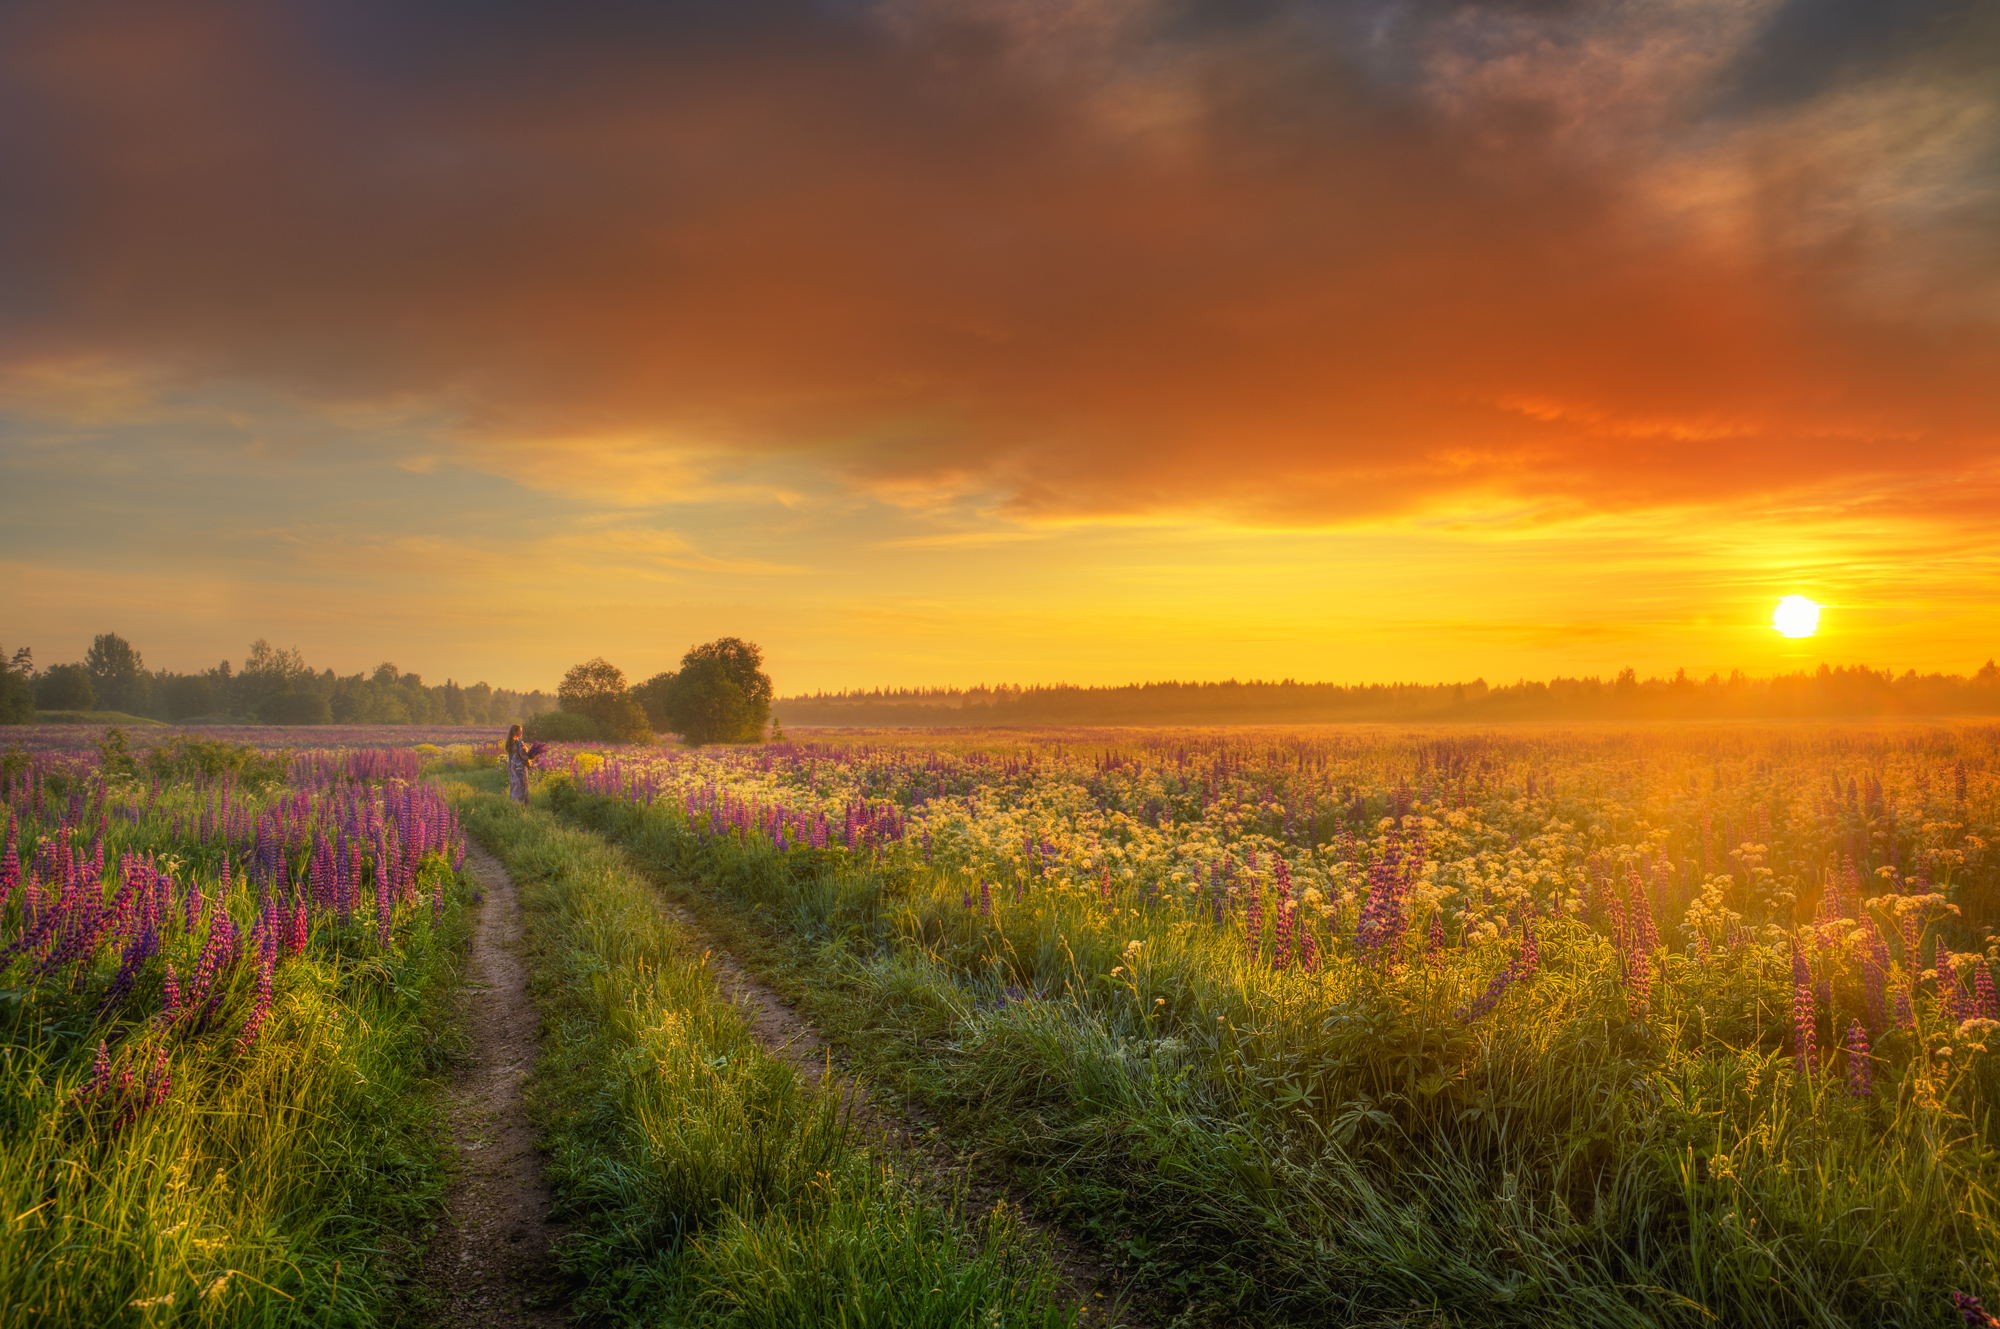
709	1182
276	1183
1300	1148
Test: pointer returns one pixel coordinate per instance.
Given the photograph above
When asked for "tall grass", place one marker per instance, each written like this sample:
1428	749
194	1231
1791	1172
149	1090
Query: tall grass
1341	1140
709	1182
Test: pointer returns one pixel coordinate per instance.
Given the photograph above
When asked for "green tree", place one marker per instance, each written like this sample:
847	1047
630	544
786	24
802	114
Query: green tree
17	697
652	696
720	694
596	688
66	687
118	673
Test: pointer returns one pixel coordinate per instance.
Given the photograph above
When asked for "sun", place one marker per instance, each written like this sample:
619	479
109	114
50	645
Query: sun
1796	616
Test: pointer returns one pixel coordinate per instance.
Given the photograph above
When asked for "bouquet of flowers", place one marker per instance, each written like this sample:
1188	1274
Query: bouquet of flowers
536	749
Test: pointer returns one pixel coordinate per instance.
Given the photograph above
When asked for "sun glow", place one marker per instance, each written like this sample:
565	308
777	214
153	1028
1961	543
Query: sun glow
1796	616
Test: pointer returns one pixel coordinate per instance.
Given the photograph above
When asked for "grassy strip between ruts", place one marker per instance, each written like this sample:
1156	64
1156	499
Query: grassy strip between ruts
711	1184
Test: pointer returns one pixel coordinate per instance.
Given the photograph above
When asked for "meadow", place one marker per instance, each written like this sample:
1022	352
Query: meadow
218	1009
1672	1026
1371	1025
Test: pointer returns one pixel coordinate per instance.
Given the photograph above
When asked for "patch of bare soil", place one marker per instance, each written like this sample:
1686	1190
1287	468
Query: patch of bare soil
491	1253
1088	1281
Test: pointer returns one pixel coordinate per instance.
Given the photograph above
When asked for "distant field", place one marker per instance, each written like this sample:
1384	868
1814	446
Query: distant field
88	728
93	717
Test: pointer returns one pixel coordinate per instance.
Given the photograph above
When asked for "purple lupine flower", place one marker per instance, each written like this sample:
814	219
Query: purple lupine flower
100	1072
384	901
142	949
170	1005
1860	1073
1639	982
1804	1018
1645	936
985	898
1308	950
1381	925
1434	937
10	862
159	1081
1281	940
297	925
266	964
1496	988
1875	978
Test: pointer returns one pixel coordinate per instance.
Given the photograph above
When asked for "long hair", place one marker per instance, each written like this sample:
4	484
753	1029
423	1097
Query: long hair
513	733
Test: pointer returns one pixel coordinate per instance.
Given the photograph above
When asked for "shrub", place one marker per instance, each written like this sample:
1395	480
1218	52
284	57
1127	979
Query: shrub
562	727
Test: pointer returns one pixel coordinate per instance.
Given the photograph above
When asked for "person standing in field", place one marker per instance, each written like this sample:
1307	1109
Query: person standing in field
517	766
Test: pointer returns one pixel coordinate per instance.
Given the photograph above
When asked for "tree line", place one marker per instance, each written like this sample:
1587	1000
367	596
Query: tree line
271	686
1825	693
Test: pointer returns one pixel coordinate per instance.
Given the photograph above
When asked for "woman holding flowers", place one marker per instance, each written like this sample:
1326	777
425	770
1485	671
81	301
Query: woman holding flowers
517	766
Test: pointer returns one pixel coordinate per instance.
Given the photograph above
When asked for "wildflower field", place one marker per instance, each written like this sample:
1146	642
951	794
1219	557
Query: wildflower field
1684	1026
216	1000
1674	1026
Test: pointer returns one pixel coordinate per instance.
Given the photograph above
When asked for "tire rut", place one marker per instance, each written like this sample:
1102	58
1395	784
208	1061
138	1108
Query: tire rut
490	1256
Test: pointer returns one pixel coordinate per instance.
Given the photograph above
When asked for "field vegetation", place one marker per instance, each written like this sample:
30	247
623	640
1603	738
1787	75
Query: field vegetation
1560	1027
223	979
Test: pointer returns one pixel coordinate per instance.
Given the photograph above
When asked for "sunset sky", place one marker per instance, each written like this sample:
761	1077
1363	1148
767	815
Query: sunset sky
948	341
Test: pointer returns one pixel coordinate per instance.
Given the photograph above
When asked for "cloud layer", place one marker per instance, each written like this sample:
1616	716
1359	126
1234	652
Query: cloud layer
1281	263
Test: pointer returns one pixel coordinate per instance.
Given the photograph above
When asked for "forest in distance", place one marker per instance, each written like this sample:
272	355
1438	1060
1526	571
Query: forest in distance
273	686
277	686
1828	692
